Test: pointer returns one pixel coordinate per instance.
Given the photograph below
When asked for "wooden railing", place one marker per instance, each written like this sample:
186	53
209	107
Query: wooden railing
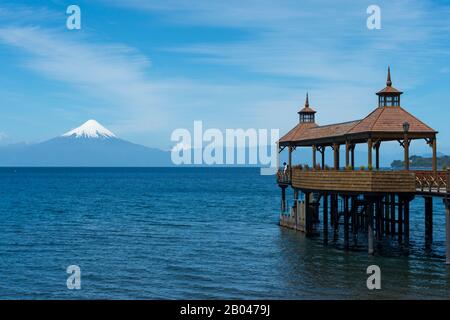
355	181
428	181
368	181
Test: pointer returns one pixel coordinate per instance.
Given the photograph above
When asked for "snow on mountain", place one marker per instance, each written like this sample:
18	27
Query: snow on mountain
90	129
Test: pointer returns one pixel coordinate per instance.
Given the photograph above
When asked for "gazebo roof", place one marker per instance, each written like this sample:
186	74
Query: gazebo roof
385	123
390	120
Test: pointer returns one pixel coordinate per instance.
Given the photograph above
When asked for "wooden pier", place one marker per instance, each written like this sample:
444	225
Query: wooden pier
369	200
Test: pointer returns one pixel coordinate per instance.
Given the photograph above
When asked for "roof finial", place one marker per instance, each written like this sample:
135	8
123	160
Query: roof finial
389	82
307	101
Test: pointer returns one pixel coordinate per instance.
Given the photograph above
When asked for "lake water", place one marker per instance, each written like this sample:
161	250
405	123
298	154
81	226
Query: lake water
187	233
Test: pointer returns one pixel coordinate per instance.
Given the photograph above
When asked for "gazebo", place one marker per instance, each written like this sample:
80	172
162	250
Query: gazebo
372	200
388	122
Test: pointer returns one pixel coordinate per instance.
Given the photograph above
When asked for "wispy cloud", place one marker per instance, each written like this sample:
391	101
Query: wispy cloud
112	74
324	40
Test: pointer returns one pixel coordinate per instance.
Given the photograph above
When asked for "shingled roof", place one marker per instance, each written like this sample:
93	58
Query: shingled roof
385	121
390	120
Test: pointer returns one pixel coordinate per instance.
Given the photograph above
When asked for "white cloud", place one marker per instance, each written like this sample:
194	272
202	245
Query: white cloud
113	74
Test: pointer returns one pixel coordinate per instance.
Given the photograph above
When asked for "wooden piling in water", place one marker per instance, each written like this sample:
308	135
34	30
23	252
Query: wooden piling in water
370	237
387	215
346	222
308	216
392	212
428	220
325	218
400	220
406	220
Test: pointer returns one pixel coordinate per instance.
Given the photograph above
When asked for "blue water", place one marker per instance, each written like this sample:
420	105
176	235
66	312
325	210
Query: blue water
187	233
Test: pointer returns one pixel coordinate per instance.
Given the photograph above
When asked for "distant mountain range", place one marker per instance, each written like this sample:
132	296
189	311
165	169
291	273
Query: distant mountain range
423	162
90	145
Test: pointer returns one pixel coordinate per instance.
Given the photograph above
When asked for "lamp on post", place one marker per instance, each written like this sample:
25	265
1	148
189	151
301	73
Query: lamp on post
406	143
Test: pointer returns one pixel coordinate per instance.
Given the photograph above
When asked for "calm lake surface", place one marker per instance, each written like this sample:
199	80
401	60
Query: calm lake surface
188	233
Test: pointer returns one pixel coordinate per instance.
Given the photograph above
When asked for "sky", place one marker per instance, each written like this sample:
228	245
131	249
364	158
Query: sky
146	68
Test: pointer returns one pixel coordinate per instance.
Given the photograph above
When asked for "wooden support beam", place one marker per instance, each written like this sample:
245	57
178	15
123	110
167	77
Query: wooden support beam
369	153
290	149
346	222
353	156
354	216
377	155
392	212
377	223
400	220
428	220
325	218
336	156
434	146
406	149
370	238
308	216
323	157
347	154
314	161
406	219
387	214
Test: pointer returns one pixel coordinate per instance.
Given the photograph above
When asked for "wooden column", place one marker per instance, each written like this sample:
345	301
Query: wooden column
370	238
369	155
323	157
377	155
278	155
325	218
347	154
290	149
336	156
314	162
434	146
406	148
353	156
428	220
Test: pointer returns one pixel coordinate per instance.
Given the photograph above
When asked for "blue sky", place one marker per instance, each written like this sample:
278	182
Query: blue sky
145	68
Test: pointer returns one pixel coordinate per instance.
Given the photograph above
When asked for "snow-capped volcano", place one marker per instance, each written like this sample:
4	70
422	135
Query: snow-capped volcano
90	129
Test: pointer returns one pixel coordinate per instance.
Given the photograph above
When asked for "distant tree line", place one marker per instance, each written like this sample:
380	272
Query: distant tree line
421	162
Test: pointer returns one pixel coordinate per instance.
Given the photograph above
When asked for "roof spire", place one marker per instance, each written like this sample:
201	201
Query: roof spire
307	101
388	81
